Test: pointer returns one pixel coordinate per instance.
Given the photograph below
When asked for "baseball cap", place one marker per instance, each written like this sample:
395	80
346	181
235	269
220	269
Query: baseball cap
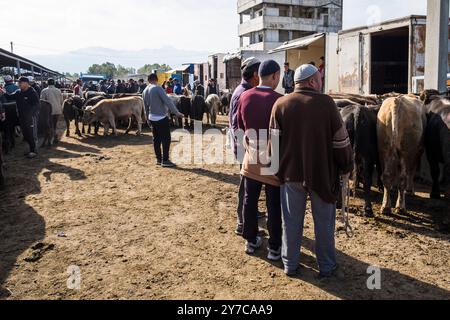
8	79
24	79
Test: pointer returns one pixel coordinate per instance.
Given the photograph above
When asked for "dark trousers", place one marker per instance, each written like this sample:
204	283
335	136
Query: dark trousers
162	137
250	212
28	124
289	90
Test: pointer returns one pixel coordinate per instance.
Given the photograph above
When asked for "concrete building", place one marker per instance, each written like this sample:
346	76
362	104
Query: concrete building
266	24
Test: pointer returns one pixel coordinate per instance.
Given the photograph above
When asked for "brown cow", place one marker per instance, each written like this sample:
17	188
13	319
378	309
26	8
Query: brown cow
107	111
400	128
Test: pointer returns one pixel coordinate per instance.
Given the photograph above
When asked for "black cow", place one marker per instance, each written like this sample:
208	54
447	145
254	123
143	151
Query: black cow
225	100
184	105
73	111
45	123
2	176
198	109
437	140
361	124
8	127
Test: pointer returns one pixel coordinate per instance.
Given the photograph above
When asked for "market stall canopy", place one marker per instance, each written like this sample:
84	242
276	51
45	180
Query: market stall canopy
299	43
8	59
182	69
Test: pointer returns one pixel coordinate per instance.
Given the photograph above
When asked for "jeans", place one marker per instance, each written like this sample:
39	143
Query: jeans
293	202
28	125
161	136
250	212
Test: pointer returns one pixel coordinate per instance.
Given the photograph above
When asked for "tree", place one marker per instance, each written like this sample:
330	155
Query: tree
107	69
148	68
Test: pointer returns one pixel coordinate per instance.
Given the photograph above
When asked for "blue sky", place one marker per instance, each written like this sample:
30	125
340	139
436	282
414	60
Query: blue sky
58	26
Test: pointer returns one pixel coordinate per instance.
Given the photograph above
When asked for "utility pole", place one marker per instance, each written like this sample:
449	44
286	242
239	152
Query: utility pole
12	47
436	54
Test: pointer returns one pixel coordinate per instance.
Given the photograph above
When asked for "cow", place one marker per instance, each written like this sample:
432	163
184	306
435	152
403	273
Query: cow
225	101
198	108
212	108
73	111
357	99
400	128
2	175
175	121
9	126
342	103
361	124
437	140
90	103
91	94
107	111
45	123
184	105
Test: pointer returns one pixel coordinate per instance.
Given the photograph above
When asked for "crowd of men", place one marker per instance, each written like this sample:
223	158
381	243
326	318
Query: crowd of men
314	150
109	86
27	95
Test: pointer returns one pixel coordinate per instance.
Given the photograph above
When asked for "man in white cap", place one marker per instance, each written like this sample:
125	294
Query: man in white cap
250	79
10	86
314	150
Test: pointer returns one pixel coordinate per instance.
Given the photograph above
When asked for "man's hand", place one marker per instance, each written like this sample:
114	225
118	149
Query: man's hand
2	116
179	115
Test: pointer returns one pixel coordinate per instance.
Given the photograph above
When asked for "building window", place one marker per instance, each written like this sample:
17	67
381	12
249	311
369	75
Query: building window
221	76
283	35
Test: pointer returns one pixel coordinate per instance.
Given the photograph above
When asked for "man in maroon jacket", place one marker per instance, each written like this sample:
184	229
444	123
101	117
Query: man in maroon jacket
314	150
255	109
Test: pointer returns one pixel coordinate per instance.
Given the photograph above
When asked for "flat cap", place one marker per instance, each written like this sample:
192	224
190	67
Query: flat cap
249	63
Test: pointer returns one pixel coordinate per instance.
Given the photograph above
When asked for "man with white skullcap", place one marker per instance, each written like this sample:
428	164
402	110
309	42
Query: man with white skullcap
314	149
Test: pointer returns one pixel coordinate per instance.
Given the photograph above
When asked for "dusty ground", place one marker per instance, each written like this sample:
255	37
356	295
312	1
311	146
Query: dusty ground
141	232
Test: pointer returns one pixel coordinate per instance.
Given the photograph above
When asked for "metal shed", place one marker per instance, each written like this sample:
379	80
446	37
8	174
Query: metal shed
383	58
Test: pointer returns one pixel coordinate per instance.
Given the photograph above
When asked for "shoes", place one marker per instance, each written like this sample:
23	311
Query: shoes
168	164
239	230
274	255
252	247
31	155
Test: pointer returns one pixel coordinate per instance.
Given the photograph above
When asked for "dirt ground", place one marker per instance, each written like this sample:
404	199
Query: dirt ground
136	231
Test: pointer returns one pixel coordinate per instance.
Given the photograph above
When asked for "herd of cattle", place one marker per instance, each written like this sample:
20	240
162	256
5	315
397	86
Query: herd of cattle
389	133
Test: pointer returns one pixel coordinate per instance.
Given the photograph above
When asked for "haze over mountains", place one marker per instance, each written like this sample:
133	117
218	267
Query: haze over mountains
79	60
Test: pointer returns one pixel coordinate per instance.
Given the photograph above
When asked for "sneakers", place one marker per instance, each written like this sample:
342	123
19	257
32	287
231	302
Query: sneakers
31	155
239	230
168	164
274	255
291	273
335	273
252	247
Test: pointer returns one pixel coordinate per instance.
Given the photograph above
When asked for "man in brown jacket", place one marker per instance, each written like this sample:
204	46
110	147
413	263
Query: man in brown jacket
314	150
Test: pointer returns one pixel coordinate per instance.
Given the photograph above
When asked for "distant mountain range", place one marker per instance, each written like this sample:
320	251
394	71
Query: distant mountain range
80	60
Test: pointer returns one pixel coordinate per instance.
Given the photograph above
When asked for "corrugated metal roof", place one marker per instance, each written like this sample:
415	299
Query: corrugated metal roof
298	43
9	59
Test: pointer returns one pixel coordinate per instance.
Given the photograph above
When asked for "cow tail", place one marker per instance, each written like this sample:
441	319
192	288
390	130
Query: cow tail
396	124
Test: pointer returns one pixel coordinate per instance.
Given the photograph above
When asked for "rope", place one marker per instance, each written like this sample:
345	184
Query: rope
345	211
